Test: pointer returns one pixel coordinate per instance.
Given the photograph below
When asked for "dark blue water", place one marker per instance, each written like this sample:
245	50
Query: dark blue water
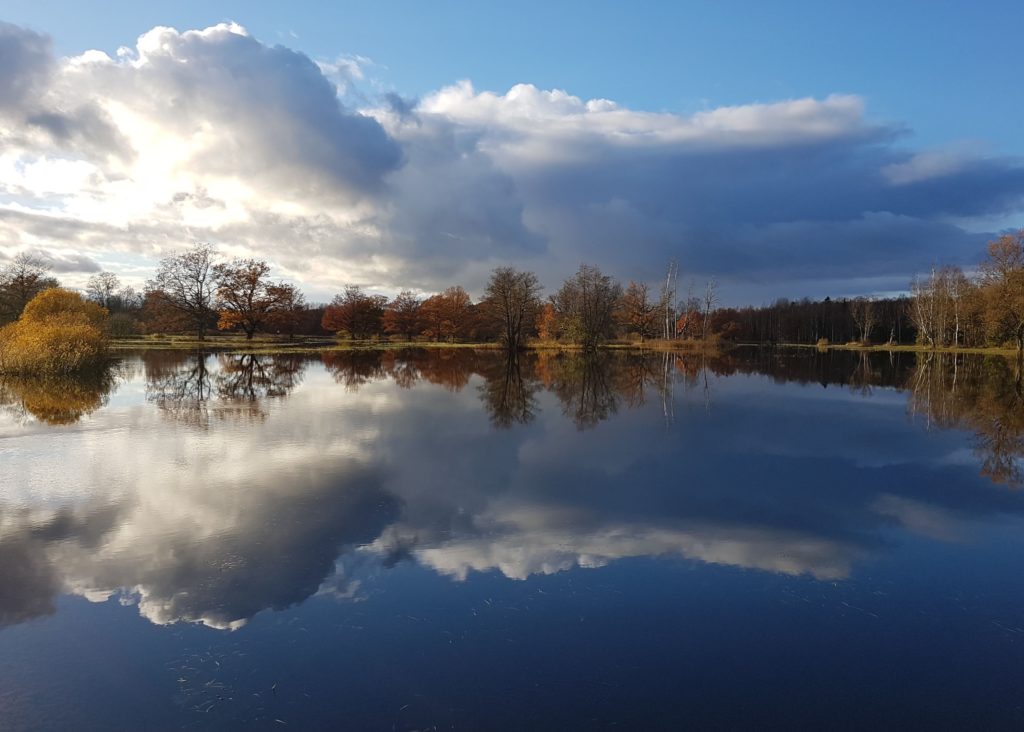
444	540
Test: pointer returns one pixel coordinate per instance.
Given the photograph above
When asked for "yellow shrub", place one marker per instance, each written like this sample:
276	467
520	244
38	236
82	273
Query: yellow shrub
58	333
64	306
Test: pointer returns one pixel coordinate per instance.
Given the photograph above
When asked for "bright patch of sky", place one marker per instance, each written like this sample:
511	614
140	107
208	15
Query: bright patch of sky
784	148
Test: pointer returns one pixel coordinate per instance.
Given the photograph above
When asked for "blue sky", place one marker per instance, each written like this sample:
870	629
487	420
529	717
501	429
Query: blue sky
950	70
786	149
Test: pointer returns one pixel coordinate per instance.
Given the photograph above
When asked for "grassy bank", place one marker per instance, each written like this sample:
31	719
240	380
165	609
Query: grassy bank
274	344
306	344
894	348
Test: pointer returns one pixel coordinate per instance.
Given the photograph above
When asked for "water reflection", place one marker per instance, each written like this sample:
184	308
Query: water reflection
589	387
227	517
57	400
509	391
981	395
194	388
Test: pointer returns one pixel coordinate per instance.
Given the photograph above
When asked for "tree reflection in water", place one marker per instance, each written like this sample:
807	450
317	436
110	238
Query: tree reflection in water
509	391
250	378
983	395
185	388
58	400
265	526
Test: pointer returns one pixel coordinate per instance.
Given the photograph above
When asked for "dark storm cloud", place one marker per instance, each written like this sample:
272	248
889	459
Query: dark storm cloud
26	58
819	211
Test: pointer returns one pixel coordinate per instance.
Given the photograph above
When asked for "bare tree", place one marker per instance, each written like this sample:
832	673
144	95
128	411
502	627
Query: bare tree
709	301
512	301
922	308
667	301
586	306
102	288
862	310
185	283
21	280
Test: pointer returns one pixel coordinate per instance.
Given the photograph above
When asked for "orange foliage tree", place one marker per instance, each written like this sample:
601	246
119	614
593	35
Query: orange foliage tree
547	323
355	312
447	315
402	315
247	299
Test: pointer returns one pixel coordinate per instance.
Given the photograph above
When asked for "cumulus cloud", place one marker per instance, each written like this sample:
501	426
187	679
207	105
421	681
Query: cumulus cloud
214	135
523	550
803	187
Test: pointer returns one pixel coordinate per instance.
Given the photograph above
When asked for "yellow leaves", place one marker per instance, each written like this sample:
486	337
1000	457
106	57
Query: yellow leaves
58	333
57	305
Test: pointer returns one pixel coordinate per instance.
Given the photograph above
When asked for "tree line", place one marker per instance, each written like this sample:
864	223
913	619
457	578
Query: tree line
194	291
945	308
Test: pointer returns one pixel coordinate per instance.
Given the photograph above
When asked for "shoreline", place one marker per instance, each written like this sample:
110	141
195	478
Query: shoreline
893	348
307	344
314	344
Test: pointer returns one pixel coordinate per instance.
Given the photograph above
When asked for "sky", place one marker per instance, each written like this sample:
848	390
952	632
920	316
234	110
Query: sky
784	149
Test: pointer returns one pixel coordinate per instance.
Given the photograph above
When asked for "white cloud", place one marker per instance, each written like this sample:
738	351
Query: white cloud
211	134
522	551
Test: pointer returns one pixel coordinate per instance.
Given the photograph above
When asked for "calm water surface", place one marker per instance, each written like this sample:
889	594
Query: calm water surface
445	540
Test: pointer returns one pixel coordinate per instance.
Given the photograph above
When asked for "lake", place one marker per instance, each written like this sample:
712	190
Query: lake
443	539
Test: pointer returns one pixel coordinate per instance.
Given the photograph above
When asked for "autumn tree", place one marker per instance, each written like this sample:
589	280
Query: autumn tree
586	305
291	311
59	332
636	313
159	316
511	302
186	283
245	296
547	322
21	280
1002	276
355	312
691	319
447	315
402	315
